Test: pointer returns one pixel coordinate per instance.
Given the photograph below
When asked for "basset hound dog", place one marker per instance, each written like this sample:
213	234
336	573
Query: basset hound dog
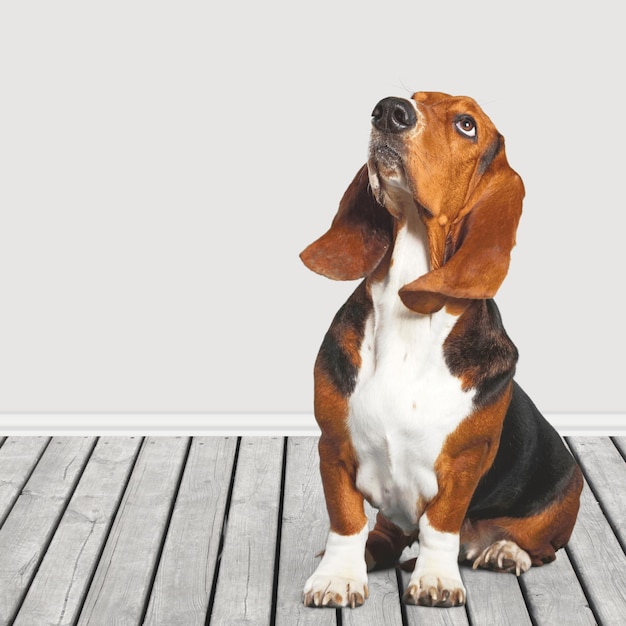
414	392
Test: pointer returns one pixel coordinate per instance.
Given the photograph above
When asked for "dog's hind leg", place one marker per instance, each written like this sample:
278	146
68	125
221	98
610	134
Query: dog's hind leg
502	555
510	544
385	544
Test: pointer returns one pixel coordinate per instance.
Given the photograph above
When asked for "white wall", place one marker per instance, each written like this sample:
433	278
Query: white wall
163	164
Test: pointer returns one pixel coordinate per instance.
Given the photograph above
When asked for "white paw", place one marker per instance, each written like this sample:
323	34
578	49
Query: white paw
435	589
335	591
504	556
436	580
341	577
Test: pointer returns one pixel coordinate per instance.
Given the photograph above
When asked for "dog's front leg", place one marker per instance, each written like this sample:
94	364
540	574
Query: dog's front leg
466	455
341	577
436	580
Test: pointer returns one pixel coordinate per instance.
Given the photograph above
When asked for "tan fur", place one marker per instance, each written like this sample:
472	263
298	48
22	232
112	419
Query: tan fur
337	460
466	455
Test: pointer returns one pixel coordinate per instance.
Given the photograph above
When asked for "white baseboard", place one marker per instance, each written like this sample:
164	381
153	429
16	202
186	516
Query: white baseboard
240	424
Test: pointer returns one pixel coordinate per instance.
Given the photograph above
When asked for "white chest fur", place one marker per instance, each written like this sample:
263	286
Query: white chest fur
405	401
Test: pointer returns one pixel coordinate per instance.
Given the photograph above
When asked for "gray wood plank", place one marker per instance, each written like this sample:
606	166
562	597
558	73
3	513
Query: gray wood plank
599	560
382	606
18	457
123	577
60	585
304	531
620	444
246	575
605	472
494	598
35	515
554	595
180	596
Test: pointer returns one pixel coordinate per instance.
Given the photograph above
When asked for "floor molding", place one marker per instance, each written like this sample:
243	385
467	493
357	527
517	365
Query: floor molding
241	424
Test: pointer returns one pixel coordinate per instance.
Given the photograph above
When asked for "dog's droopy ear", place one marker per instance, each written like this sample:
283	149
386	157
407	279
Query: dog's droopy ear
358	238
479	245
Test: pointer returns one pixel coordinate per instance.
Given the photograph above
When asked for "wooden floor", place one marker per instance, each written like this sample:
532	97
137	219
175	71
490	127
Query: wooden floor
222	531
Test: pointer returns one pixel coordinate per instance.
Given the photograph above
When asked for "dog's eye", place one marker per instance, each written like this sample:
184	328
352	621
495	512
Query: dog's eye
466	126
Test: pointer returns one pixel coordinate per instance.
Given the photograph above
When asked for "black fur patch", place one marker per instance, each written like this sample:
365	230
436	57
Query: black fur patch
332	357
531	469
482	350
489	155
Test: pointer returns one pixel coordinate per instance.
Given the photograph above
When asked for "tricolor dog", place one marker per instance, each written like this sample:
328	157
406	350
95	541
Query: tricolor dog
414	390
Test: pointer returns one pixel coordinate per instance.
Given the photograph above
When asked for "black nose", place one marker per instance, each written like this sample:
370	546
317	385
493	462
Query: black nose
393	115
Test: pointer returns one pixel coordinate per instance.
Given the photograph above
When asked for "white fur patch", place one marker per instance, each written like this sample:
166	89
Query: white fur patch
341	577
405	401
436	579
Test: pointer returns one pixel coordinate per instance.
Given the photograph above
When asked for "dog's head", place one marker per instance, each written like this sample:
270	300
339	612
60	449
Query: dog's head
439	157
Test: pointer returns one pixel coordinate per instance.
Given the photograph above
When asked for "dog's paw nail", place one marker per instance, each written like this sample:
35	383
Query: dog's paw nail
504	556
433	590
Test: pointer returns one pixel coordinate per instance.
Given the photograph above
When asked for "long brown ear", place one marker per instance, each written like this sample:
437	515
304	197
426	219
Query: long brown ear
481	244
358	238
